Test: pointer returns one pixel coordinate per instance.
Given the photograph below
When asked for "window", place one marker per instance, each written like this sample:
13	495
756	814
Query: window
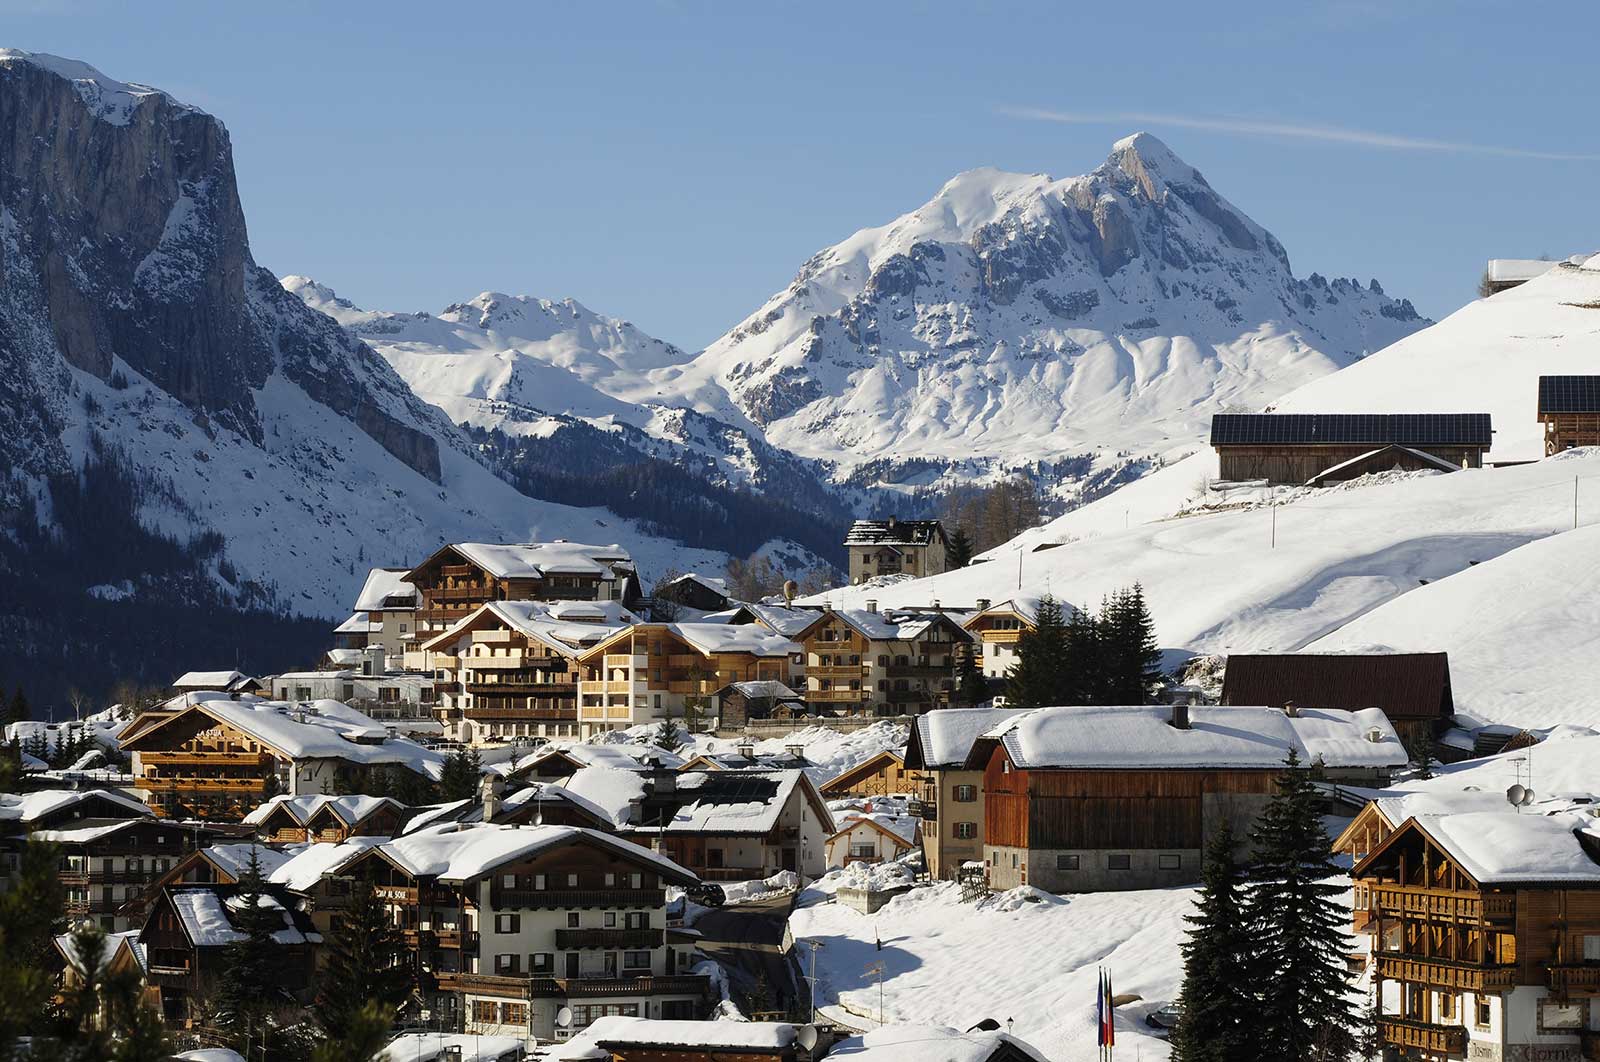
572	919
1447	1006
1482	1015
572	881
507	964
611	919
635	881
636	960
543	962
1591	947
638	920
966	794
483	1012
514	1014
507	923
508	881
538	881
965	831
1169	861
611	881
862	850
1066	862
713	857
1119	861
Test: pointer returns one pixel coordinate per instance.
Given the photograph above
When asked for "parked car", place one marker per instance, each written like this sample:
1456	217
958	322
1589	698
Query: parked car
1165	1017
706	894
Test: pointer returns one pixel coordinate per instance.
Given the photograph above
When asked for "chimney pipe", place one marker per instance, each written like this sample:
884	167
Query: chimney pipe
489	794
747	750
872	606
1291	709
1180	717
983	604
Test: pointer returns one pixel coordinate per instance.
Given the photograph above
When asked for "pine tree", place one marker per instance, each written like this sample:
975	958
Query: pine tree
958	554
459	778
1040	675
18	712
1218	1007
361	1039
1294	910
972	688
667	736
30	915
244	993
1132	656
364	966
1087	668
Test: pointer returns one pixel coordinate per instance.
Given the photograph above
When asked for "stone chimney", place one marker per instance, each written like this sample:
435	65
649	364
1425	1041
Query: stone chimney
489	788
872	606
747	749
983	604
1180	717
796	751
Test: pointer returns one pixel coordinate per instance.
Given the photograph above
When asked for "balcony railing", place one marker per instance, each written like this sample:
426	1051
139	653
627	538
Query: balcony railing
1443	903
921	670
608	938
612	985
1423	1036
1445	973
503	898
567	714
183	784
1563	979
511	689
733	873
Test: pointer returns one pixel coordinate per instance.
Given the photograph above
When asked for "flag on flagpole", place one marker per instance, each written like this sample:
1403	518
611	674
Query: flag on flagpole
1111	1017
1100	1007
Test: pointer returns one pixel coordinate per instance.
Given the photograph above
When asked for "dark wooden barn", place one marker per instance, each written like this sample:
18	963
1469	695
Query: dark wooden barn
1569	409
1294	448
1413	689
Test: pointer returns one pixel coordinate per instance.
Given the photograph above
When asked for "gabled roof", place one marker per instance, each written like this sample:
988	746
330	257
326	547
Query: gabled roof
1499	848
1024	608
1142	737
206	915
730	802
535	560
894	532
786	620
1404	685
350	810
710	582
564	627
1376	458
869	766
757	689
458	853
943	738
386	590
901	829
709	1038
356	624
709	638
1351	429
29	808
1569	394
220	681
885	626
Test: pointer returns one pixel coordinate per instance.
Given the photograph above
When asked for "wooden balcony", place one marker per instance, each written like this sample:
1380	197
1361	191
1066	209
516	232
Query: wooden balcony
503	898
202	785
567	714
1443	904
1582	980
521	689
733	873
836	671
934	671
503	985
1448	1040
836	696
608	938
1445	973
238	758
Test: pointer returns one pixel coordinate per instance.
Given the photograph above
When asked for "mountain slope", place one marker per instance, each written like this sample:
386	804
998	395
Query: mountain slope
135	327
1016	318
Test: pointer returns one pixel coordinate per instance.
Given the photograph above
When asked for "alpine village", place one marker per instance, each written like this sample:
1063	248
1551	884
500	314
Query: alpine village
506	685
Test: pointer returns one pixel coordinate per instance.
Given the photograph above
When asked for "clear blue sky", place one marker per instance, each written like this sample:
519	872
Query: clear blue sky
674	163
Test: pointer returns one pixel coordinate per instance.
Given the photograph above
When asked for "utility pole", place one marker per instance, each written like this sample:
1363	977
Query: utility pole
815	946
877	968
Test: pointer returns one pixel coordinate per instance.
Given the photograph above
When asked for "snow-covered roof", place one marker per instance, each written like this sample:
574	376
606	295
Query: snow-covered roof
457	1047
204	918
710	582
1110	736
307	863
902	826
1498	848
928	1043
208	680
946	737
881	626
533	560
732	802
232	859
90	830
350	809
456	852
28	808
785	619
766	688
1503	270
893	532
611	789
67	944
209	1054
762	1037
563	626
738	638
356	624
321	729
386	589
1024	606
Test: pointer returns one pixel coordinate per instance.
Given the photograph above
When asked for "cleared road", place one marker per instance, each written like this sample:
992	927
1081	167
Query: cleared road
747	939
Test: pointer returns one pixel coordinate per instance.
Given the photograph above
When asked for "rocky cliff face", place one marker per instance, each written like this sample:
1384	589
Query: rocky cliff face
1019	318
120	210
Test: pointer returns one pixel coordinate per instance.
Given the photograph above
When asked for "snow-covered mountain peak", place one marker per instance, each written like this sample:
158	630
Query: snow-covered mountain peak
107	98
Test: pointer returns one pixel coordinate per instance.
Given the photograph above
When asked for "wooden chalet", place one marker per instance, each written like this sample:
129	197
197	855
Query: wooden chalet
457	578
998	628
867	662
1485	932
215	864
623	1039
895	547
740	702
1413	689
1106	798
702	593
121	957
1295	448
186	936
294	820
1569	409
54	809
880	775
949	794
654	671
508	669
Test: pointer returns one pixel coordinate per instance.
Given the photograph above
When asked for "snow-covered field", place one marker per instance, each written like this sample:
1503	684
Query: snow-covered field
829	752
1024	956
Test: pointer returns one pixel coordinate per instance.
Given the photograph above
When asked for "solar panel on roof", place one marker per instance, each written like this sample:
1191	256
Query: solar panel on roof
1569	394
1362	429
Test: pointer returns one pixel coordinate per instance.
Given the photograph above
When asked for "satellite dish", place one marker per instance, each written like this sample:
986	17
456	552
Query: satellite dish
1519	796
806	1036
564	1017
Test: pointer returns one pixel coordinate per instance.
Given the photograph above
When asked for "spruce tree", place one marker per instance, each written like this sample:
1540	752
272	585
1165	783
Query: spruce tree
1294	910
1039	676
958	554
365	965
1086	666
1219	1008
18	712
459	778
30	916
244	993
359	1040
667	736
972	688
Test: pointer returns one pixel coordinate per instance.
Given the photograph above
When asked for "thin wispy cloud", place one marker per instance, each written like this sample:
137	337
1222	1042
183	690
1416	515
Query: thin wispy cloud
1293	130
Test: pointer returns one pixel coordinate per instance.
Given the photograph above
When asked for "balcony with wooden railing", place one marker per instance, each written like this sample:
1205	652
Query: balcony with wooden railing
1450	1040
1582	979
505	899
1445	973
188	784
836	671
598	985
1442	904
566	714
206	758
521	688
920	670
836	696
608	938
